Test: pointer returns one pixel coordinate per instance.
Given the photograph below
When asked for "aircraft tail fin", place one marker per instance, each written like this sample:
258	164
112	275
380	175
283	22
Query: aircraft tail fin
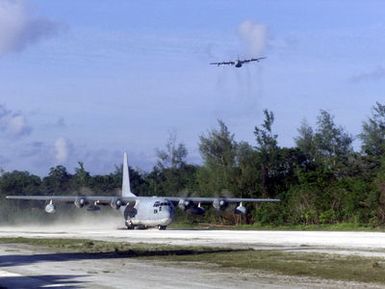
126	189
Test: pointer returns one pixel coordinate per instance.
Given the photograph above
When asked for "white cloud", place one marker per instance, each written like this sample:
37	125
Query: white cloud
62	149
254	37
17	124
19	27
376	74
13	124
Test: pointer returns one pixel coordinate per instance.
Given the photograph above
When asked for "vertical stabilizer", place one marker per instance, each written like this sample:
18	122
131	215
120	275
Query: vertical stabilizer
126	189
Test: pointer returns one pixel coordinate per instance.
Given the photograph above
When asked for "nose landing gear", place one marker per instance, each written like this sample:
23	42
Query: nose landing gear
160	227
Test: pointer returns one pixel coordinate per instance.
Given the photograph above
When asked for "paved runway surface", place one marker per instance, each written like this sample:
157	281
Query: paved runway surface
365	243
23	267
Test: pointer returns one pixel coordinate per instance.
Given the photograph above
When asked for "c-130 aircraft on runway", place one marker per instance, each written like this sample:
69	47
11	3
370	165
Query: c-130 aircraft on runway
144	212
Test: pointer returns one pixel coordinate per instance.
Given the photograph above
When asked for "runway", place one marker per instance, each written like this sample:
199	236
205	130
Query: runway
364	243
23	266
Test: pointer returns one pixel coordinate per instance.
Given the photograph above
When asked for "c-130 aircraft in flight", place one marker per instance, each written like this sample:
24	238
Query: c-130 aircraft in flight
237	63
144	212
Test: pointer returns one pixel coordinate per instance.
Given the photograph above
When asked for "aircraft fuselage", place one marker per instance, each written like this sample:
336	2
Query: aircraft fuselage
149	212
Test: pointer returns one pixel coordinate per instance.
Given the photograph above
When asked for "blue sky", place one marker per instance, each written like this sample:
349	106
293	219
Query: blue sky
87	80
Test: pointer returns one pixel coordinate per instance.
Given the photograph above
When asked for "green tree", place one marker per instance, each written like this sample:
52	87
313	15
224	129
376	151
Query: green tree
19	182
333	144
268	152
376	200
81	178
57	181
173	156
248	177
305	142
218	150
172	175
111	184
373	132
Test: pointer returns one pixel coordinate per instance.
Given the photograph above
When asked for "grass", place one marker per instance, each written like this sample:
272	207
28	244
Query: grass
257	226
319	227
328	266
335	267
124	249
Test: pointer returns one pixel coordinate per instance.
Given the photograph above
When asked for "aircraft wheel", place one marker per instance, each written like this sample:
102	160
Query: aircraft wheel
130	226
162	227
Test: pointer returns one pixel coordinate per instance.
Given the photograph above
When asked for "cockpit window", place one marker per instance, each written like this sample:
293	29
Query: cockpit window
158	204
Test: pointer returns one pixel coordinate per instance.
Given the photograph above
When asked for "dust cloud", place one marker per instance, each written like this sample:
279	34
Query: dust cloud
74	222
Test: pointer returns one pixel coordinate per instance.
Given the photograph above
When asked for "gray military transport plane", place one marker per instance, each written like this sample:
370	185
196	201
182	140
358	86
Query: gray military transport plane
237	63
144	212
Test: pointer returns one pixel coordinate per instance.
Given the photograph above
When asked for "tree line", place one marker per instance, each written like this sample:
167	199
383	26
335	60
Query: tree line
322	179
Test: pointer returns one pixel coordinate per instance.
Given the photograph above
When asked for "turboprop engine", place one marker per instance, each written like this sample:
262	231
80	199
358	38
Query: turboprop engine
79	203
220	204
191	208
185	204
241	210
50	208
196	210
116	204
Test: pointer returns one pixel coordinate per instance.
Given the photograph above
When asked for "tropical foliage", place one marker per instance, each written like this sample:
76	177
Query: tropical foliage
322	179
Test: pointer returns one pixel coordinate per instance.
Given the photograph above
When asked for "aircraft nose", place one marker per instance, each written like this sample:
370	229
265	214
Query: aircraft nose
172	212
169	214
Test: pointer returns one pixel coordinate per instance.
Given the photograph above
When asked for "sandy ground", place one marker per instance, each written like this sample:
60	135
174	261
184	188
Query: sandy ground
23	267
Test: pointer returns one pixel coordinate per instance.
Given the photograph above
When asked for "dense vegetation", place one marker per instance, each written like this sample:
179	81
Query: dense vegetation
321	180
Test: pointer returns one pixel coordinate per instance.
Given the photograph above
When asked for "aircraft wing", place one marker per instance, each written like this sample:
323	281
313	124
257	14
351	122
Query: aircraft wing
109	199
97	200
117	201
223	63
252	59
213	199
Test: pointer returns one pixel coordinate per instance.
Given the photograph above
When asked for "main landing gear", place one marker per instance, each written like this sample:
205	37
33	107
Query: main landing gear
129	225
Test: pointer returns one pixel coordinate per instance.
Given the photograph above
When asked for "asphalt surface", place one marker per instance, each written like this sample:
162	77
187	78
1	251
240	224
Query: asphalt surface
24	266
